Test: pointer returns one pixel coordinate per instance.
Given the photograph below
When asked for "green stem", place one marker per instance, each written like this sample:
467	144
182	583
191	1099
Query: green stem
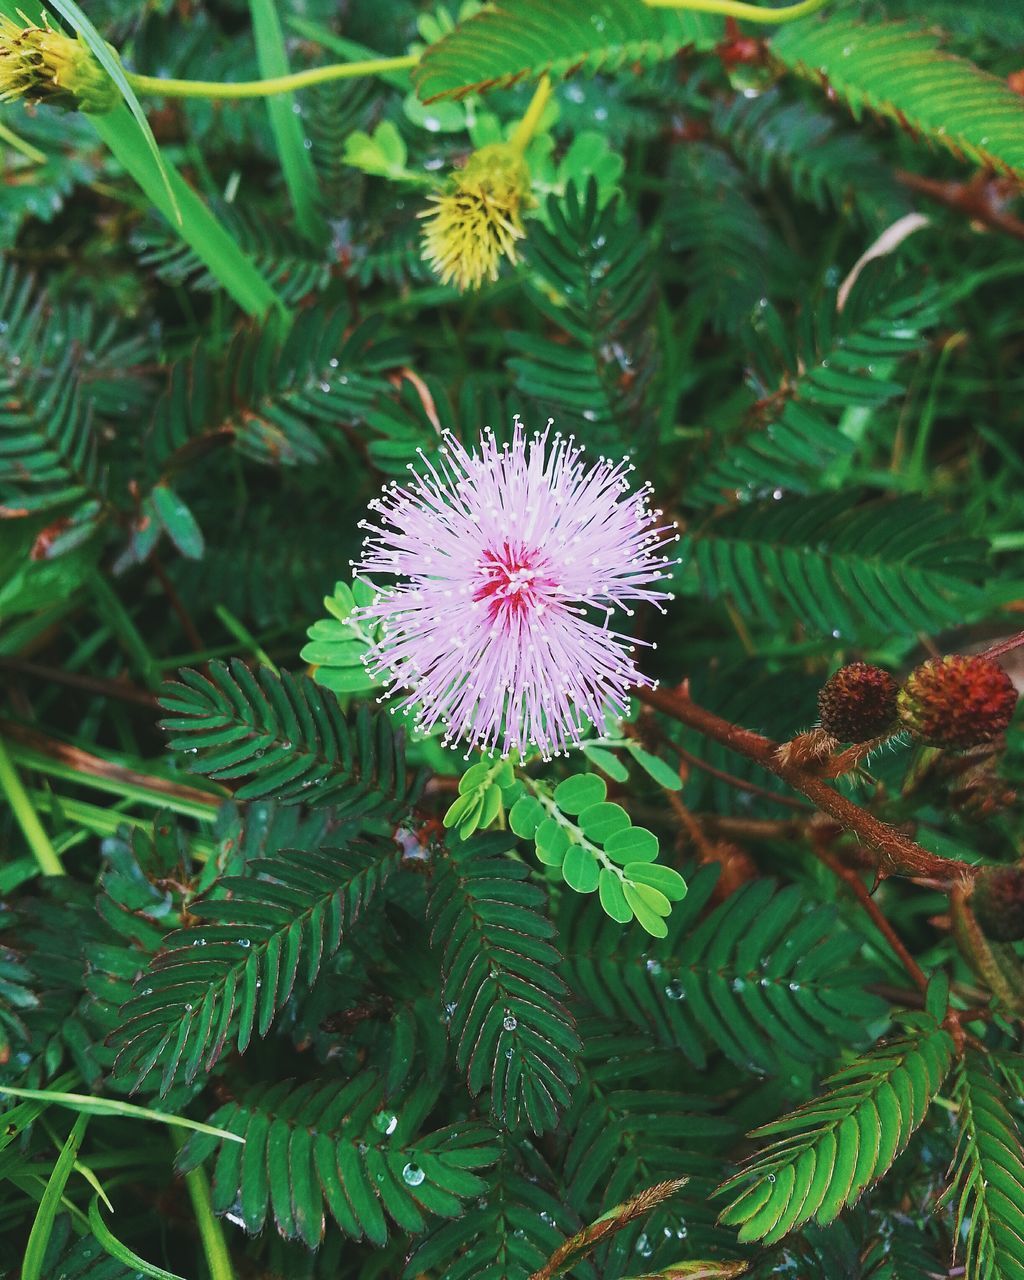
107	821
120	622
737	9
264	88
19	144
211	1234
527	127
244	636
576	836
27	818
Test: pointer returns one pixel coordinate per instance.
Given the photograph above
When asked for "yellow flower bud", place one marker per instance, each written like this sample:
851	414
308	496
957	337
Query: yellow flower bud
477	223
41	64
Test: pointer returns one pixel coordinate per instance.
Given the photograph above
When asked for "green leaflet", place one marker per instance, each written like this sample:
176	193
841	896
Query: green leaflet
523	39
826	1153
898	70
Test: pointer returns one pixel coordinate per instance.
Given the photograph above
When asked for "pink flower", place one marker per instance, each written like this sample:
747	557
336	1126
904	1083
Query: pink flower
506	558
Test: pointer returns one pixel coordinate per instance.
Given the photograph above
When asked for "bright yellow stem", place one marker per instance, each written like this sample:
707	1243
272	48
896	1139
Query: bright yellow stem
738	9
265	88
527	127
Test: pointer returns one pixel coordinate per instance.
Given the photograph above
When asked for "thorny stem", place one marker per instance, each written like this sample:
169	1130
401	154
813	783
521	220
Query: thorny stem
737	9
169	88
899	854
863	895
26	817
1003	646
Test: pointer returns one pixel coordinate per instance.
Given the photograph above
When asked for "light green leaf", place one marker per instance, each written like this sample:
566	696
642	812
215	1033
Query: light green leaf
525	816
552	841
633	844
575	794
662	773
111	1245
580	869
599	822
662	879
613	900
606	762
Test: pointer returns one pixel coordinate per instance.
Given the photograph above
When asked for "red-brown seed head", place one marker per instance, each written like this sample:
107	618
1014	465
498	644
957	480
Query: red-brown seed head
957	701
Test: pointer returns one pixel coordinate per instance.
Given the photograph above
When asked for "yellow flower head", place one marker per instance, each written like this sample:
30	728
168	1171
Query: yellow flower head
41	64
477	222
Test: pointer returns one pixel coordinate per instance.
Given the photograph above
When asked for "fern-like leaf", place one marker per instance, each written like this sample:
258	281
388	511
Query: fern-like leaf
842	568
898	70
506	1236
759	978
504	999
827	1152
223	979
47	445
523	39
791	140
805	376
324	1145
599	267
987	1177
278	403
288	736
732	255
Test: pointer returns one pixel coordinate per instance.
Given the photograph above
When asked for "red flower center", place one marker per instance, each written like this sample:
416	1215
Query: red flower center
513	580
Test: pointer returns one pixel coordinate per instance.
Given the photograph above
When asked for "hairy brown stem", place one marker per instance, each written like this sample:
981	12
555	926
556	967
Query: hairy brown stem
898	854
863	896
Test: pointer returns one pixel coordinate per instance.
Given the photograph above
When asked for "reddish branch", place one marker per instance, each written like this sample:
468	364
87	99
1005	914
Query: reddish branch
863	895
89	765
898	854
981	199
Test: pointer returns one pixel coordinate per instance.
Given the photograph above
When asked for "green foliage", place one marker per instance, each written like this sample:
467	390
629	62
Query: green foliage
287	737
827	1152
601	850
230	975
843	568
597	287
458	1007
522	39
807	376
484	790
338	644
274	400
49	453
987	1177
732	256
762	980
834	169
345	1149
504	1003
898	70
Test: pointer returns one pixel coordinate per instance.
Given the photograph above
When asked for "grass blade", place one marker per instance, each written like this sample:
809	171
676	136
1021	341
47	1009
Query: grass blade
296	163
109	61
107	1241
42	1227
198	227
89	1105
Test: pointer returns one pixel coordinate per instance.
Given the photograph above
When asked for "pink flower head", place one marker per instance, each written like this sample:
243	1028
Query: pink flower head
503	558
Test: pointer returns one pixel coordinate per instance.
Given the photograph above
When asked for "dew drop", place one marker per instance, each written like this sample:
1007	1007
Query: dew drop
509	1022
675	991
413	1175
385	1122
